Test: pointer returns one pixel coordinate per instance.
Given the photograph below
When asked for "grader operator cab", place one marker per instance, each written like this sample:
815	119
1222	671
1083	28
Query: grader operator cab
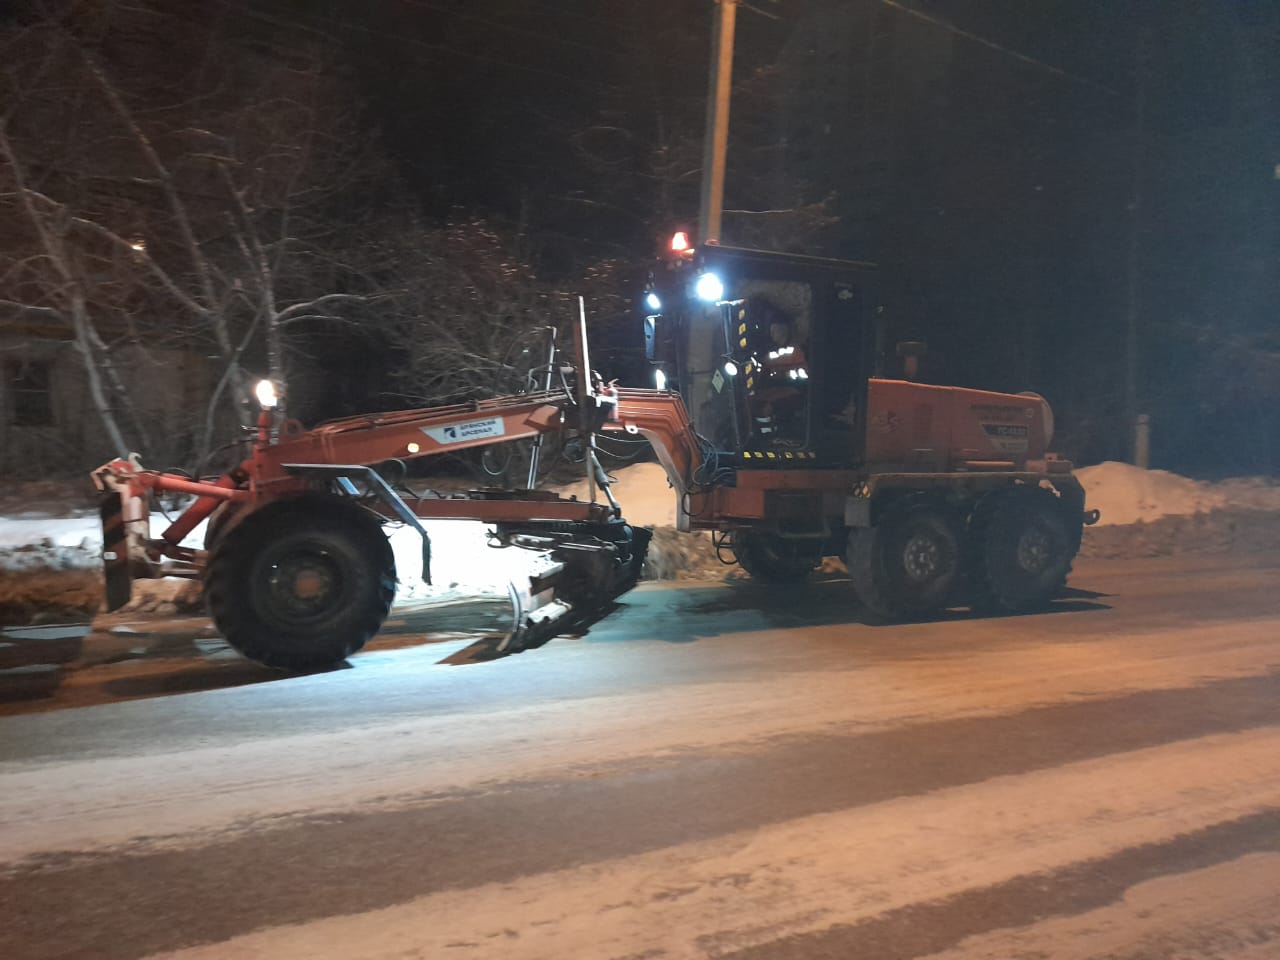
930	494
771	352
795	451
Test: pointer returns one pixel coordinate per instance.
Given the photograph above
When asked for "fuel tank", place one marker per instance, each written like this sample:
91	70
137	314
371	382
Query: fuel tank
921	426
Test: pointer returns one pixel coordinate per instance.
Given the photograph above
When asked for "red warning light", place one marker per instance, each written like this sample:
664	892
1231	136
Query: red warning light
679	242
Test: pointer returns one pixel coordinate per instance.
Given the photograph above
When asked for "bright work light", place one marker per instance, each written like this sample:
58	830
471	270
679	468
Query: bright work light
265	391
653	301
730	368
709	288
659	379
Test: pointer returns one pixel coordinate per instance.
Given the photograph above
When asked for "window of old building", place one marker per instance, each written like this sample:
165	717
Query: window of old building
30	384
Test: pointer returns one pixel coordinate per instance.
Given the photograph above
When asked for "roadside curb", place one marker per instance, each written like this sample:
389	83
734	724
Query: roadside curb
115	637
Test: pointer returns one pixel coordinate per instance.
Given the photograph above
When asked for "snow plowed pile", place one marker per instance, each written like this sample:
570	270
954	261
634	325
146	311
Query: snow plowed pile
1152	513
1126	494
1144	513
49	544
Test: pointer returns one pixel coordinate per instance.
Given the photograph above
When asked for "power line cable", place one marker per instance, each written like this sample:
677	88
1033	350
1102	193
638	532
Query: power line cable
999	48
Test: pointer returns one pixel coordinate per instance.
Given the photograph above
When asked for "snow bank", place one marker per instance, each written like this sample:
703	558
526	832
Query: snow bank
1127	494
59	544
463	564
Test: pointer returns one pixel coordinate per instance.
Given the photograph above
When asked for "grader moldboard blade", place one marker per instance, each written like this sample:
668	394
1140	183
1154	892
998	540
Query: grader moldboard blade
587	571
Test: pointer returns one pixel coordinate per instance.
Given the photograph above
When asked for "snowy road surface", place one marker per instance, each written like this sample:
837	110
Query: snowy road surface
710	772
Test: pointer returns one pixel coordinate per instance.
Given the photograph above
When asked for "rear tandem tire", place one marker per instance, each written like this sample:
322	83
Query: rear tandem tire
1019	551
773	559
908	564
301	584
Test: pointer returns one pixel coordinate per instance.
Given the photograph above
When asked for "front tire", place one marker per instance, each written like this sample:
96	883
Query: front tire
908	564
218	523
301	584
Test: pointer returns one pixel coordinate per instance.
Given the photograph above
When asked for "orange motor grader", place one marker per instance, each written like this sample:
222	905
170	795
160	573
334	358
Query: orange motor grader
773	431
932	495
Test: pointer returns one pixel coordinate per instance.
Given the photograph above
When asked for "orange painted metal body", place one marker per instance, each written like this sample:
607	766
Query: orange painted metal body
270	472
922	426
661	418
911	427
408	434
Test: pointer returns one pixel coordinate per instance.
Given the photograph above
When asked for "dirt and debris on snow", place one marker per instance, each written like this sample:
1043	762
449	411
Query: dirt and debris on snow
50	539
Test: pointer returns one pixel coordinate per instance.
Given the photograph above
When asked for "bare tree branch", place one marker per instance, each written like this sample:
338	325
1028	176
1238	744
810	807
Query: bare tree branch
21	308
176	207
290	314
166	281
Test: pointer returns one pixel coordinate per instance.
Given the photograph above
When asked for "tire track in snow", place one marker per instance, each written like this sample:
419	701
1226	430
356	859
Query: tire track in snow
889	880
102	803
814	807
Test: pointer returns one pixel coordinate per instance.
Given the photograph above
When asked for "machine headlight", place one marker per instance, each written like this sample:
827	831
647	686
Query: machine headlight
709	288
730	368
653	302
265	391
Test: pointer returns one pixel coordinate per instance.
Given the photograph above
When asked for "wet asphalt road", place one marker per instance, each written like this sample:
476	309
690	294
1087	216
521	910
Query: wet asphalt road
712	771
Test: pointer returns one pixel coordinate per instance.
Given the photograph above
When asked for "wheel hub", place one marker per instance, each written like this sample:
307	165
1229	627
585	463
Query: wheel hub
306	584
1035	550
921	558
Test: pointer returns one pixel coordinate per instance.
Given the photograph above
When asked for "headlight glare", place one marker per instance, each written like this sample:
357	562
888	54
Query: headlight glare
709	287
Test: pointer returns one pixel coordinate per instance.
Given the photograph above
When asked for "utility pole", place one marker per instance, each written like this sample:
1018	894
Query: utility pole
713	148
1137	428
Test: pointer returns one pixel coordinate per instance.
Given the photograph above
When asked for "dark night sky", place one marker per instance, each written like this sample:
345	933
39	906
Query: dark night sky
477	83
1006	217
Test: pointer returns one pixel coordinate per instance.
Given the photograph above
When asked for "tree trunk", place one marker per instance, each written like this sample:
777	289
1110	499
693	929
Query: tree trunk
84	333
